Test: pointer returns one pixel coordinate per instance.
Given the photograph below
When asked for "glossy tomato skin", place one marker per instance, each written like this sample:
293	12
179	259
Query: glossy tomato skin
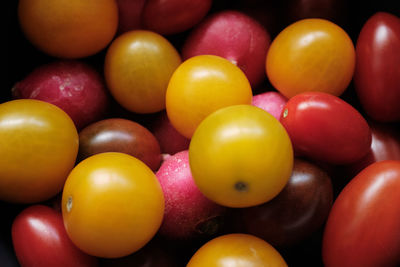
363	228
311	55
236	250
326	128
38	148
377	74
298	211
112	205
120	135
240	156
137	68
40	239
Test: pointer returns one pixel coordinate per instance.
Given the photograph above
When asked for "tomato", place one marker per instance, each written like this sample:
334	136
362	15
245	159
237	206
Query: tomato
311	55
137	68
39	239
120	135
326	128
297	212
38	148
240	156
385	145
69	28
363	228
112	205
235	250
201	85
377	75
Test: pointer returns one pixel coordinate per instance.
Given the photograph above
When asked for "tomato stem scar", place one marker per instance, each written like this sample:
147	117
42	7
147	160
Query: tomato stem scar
69	204
241	186
285	112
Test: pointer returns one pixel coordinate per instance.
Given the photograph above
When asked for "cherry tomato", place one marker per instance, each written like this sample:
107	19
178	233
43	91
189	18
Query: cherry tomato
377	75
120	135
363	228
311	55
201	85
112	205
38	148
137	68
235	250
69	28
326	128
385	145
240	156
297	212
39	239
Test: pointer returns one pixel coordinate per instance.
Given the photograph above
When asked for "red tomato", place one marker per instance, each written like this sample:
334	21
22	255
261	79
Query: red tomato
326	128
377	74
363	228
40	239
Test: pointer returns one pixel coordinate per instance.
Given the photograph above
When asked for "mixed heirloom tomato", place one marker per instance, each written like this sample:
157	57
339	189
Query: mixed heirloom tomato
315	184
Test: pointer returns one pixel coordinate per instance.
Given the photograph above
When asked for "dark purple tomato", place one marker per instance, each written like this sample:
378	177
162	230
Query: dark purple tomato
363	228
385	145
120	135
40	239
297	212
377	73
326	128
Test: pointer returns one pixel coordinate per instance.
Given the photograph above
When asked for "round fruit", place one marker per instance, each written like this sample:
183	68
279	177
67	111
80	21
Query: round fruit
69	28
200	86
237	250
112	205
38	148
137	69
240	156
311	55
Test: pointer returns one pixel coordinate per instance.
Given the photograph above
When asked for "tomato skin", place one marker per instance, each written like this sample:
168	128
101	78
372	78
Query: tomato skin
40	239
38	148
201	85
112	205
326	128
137	68
240	156
377	74
363	228
311	55
237	250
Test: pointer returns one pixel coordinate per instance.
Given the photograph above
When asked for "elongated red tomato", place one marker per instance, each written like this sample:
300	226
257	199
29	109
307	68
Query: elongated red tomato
377	74
363	228
40	239
326	128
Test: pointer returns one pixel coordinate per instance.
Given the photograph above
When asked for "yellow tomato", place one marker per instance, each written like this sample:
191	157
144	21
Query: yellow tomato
311	55
38	148
112	205
137	69
201	85
69	28
240	156
237	250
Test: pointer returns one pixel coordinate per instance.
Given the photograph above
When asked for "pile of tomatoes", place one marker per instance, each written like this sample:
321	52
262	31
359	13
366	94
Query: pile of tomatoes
200	133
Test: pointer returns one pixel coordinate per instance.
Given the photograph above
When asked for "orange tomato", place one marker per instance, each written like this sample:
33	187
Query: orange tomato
311	55
38	148
112	205
237	250
200	86
240	156
137	69
69	28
